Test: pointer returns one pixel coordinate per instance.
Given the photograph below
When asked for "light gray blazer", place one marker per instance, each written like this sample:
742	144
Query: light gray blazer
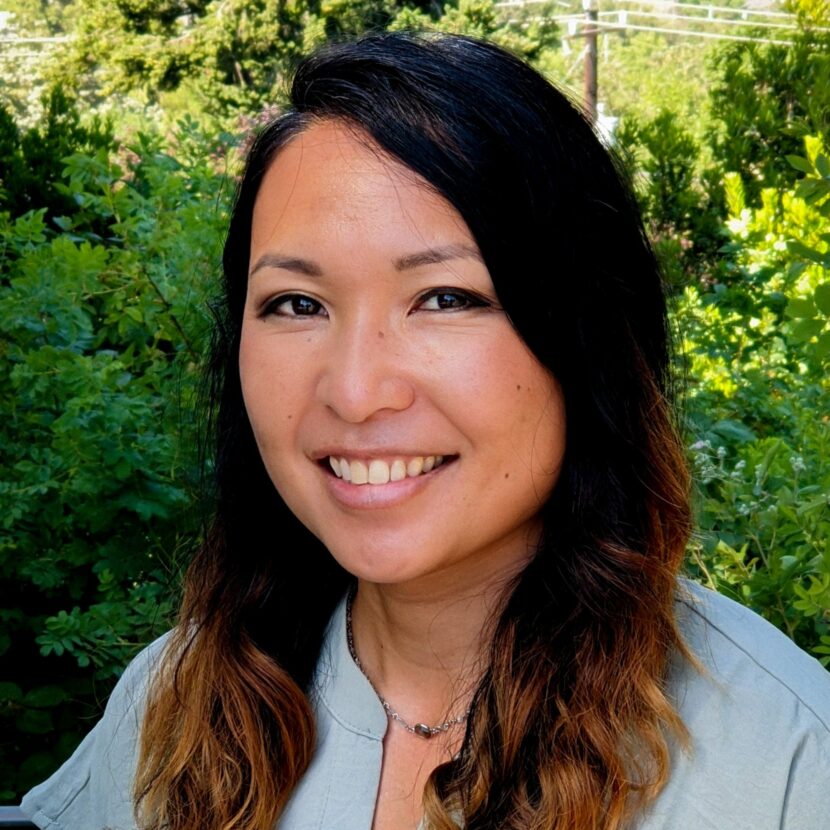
759	719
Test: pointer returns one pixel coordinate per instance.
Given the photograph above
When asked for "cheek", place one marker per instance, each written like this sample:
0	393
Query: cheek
548	435
527	402
265	391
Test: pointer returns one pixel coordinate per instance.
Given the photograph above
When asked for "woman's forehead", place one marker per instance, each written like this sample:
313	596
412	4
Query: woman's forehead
329	147
332	181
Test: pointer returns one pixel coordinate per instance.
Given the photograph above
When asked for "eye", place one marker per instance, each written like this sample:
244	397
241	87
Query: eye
294	305
449	299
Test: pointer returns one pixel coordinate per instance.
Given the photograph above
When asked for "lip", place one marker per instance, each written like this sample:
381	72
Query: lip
380	496
367	454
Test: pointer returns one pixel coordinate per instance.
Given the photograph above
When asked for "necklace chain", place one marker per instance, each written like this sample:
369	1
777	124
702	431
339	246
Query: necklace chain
421	729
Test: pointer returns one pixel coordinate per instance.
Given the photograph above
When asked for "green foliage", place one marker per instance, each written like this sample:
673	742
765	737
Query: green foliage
640	74
764	522
683	212
765	100
668	159
223	57
31	160
229	54
758	353
24	84
103	330
528	33
41	18
810	13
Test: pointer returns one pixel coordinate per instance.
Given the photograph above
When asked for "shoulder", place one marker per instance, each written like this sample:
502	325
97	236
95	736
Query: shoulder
93	788
757	710
738	647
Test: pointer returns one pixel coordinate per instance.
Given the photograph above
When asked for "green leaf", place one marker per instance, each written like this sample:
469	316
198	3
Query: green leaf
37	767
811	190
821	298
805	330
734	430
823	345
800	249
796	269
823	165
44	697
35	721
800	308
800	163
10	692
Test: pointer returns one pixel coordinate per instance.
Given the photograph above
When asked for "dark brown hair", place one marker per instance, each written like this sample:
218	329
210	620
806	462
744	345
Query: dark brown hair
570	726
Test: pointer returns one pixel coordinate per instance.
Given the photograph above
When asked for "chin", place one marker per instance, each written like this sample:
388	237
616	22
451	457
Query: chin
386	565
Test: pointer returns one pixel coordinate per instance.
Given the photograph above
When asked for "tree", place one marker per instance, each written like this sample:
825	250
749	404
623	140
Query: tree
103	318
765	100
224	57
32	160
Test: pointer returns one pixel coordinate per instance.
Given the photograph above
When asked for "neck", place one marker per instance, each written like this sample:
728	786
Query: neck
424	647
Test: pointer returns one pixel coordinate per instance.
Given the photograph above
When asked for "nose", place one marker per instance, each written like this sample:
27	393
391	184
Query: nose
364	373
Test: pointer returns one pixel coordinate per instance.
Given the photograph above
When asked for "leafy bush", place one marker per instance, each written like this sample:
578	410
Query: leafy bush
215	59
765	100
103	316
758	349
31	161
682	208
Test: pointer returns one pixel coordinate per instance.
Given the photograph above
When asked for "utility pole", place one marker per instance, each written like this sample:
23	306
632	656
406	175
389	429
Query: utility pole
590	33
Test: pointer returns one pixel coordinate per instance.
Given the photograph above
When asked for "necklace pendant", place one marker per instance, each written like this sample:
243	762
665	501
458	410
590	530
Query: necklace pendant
421	729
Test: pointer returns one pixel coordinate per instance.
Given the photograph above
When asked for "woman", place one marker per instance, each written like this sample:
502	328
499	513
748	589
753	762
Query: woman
441	587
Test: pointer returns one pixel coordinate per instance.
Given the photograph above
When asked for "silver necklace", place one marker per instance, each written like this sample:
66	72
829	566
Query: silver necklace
423	730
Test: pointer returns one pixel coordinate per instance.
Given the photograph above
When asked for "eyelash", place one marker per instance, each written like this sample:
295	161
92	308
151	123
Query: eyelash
470	301
271	307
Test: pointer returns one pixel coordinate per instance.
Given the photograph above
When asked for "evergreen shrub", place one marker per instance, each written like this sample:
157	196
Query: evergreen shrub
104	293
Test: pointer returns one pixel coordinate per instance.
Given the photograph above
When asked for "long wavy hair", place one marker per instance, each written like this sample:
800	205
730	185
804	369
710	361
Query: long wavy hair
571	726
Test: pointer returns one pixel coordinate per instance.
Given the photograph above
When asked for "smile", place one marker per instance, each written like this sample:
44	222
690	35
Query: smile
378	471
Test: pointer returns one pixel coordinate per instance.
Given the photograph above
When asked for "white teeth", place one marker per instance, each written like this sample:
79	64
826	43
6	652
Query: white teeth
415	467
397	472
360	472
378	471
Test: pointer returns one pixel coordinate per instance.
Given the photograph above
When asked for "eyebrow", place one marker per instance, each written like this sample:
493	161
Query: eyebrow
432	256
429	256
287	263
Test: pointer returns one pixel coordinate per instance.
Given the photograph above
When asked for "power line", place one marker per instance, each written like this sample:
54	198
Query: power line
637	20
601	24
15	40
623	15
709	9
705	21
662	4
594	23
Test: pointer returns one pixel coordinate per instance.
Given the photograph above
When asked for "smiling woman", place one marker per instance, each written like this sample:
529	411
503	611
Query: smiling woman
441	588
363	362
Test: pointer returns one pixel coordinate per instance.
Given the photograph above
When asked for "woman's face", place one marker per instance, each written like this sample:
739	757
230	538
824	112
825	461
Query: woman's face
373	349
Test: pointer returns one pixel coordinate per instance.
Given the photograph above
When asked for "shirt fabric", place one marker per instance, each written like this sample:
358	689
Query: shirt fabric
758	714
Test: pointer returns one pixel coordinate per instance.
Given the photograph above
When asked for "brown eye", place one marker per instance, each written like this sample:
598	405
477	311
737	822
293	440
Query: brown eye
449	300
294	305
